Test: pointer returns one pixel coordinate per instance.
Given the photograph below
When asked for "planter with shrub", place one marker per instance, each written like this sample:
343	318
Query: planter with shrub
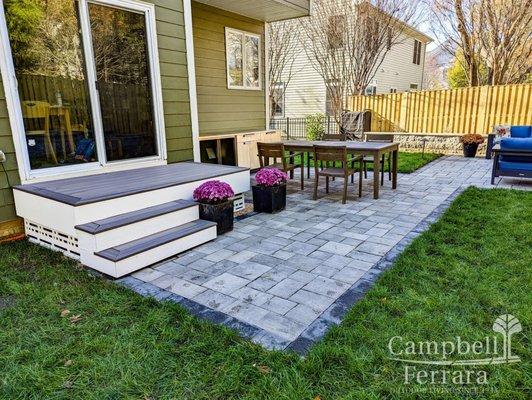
470	144
269	194
215	200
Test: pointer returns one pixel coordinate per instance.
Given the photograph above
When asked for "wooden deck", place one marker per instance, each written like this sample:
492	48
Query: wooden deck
95	188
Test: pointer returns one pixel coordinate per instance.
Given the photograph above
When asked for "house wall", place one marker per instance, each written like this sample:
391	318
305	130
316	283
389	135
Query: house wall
221	109
176	103
306	92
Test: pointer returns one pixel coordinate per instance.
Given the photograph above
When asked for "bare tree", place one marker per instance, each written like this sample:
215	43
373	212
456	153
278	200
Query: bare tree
283	38
492	34
347	41
506	39
458	22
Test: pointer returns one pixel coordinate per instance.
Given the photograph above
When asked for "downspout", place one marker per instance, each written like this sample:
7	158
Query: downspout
191	72
267	76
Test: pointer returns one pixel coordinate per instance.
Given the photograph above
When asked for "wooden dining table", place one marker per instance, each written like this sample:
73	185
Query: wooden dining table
375	149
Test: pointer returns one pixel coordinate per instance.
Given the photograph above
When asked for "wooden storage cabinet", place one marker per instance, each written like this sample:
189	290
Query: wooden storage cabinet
245	145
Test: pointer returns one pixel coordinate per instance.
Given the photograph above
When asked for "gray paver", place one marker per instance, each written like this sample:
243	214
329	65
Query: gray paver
226	283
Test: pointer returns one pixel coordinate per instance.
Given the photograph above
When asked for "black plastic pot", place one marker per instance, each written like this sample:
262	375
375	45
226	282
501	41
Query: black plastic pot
222	214
269	199
470	150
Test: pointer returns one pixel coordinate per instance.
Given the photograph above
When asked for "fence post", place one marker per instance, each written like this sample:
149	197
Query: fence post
288	128
328	124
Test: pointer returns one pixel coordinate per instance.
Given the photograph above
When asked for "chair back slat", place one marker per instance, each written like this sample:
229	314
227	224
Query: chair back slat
330	153
373	137
35	109
268	151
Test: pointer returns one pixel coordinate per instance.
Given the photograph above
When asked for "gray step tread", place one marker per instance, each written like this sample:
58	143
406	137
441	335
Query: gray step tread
129	218
150	242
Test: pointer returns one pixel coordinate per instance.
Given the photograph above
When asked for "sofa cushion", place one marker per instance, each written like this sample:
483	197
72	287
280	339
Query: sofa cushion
521	131
516	144
521	166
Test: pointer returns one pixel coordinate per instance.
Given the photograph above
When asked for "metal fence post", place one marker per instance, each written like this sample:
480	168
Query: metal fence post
288	128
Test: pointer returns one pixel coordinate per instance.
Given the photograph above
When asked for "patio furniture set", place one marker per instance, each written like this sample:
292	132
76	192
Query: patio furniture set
512	152
328	154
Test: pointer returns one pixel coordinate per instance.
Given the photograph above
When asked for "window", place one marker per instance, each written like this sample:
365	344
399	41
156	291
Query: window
88	89
277	100
393	90
335	31
417	52
413	87
333	98
243	52
371	90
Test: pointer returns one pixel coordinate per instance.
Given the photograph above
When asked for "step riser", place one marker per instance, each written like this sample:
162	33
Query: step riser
140	261
90	243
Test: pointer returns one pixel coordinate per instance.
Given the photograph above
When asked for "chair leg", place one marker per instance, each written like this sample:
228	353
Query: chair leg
308	165
365	170
316	180
382	169
302	176
344	198
327	184
390	167
360	182
353	176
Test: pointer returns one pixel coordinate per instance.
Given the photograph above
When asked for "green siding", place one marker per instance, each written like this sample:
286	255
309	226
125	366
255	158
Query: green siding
221	109
7	205
173	65
174	79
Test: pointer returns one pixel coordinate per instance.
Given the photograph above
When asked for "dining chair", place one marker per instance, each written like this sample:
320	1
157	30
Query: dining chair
287	162
370	137
326	154
40	110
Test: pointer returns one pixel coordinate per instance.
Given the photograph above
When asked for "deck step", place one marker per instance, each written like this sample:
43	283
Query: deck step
135	247
133	217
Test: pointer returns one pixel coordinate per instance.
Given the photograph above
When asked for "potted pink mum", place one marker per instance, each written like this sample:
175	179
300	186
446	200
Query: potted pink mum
215	200
269	194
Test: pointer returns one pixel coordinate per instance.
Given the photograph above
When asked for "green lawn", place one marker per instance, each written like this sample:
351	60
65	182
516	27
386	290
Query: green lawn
470	267
408	162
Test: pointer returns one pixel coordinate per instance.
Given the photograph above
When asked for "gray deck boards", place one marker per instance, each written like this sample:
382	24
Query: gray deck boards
133	217
138	246
99	187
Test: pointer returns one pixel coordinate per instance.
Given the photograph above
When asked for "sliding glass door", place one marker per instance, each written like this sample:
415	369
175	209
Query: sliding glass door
85	81
123	82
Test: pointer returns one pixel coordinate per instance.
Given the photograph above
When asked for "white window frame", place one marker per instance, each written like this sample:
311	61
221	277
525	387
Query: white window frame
9	80
373	90
244	61
281	85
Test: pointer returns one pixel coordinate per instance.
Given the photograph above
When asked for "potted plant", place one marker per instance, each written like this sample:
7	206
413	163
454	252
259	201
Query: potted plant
269	194
470	143
215	200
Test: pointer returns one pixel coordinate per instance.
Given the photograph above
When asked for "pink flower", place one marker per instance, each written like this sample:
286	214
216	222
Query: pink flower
213	192
270	177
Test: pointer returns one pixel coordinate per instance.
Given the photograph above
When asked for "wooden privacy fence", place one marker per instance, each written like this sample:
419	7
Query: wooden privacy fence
456	111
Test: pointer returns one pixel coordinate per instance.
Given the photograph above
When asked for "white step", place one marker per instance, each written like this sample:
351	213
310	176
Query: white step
103	234
137	254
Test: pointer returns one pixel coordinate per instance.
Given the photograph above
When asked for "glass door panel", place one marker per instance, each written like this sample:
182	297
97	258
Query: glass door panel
121	59
50	69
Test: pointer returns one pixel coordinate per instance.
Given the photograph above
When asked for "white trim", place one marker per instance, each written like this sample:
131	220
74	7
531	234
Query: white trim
267	76
15	112
243	34
191	70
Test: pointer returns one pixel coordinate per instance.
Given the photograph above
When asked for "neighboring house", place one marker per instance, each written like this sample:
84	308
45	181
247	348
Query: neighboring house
90	88
400	71
438	63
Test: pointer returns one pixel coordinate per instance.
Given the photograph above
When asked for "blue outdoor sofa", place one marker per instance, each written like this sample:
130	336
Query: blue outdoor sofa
513	155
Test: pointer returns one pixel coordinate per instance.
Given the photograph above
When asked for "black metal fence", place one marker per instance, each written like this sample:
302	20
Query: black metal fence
296	128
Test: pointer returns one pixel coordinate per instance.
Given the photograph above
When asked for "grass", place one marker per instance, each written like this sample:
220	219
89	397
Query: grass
454	280
408	162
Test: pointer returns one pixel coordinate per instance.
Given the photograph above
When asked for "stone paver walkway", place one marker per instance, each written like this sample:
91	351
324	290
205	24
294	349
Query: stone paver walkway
284	279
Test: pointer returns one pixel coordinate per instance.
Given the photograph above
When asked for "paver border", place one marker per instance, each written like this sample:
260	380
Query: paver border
318	328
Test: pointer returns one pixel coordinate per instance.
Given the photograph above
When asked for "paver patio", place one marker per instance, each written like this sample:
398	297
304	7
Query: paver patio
284	279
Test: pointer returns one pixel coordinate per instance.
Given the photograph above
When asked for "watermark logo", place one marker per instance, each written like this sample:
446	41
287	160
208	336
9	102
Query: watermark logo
439	357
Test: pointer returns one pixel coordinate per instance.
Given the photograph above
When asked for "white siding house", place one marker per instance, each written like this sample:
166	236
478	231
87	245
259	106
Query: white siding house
306	92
